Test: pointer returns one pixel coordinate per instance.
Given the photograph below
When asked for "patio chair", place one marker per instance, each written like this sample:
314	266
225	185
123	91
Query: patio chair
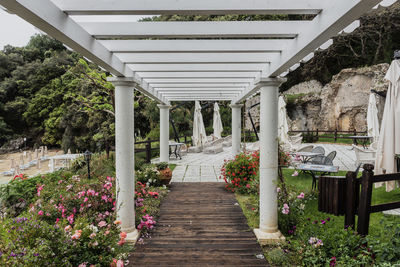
306	149
214	147
318	149
332	155
364	155
195	149
253	147
227	141
295	141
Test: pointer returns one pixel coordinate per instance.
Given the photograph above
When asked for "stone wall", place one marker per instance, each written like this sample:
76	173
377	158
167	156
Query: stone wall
340	104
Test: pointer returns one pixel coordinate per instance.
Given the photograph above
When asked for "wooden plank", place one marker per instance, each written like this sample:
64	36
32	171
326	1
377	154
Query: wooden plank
383	207
200	224
386	177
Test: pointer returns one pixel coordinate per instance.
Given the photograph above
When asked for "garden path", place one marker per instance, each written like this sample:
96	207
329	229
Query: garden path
200	167
200	224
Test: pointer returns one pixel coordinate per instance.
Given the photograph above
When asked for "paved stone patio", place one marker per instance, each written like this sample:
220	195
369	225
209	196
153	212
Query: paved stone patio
200	167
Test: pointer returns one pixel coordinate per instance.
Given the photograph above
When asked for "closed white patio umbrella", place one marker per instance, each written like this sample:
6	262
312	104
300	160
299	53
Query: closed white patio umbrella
372	118
217	123
389	138
199	132
283	127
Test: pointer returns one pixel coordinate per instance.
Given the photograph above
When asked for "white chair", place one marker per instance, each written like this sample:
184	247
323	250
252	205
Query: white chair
227	141
214	147
364	155
295	141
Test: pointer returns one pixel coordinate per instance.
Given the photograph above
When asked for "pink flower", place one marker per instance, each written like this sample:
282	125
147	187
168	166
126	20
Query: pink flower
69	187
120	263
285	209
40	213
102	224
122	235
104	197
57	220
86	199
301	196
67	228
77	234
248	185
91	192
92	235
278	189
82	265
296	173
40	188
59	182
106	232
121	242
70	218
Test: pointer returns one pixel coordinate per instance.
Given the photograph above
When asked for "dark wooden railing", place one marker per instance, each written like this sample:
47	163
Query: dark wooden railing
352	196
311	136
146	146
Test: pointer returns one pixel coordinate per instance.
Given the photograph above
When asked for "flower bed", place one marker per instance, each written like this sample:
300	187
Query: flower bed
313	238
62	219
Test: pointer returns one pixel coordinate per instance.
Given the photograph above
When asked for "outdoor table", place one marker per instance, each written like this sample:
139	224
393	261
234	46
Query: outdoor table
312	169
306	156
66	158
175	149
362	138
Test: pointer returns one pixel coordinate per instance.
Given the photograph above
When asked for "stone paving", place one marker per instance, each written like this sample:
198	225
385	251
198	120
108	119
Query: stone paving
200	167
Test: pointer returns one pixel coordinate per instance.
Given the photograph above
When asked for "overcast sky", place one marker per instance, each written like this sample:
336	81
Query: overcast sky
17	32
14	30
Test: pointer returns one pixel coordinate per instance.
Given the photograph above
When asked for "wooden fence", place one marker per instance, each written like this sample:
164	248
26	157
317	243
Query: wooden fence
146	146
352	196
311	136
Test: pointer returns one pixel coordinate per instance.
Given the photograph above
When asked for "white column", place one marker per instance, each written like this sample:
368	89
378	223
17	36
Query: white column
268	232
164	132
124	155
236	128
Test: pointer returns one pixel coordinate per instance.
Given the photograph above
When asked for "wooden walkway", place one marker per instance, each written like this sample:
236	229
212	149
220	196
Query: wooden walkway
199	225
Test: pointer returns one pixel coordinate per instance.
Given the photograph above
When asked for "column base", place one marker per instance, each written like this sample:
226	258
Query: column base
265	238
132	237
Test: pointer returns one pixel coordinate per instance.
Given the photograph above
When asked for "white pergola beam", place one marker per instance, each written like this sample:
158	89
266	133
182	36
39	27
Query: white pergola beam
176	58
242	67
196	29
337	16
187	89
200	80
195	46
198	75
189	7
201	92
213	98
199	85
46	16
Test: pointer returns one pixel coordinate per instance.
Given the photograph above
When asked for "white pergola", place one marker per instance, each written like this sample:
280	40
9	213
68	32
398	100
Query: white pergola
202	60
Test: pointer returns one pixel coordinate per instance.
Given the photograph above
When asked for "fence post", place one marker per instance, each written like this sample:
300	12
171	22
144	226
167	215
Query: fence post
365	199
185	139
148	151
335	135
317	136
352	189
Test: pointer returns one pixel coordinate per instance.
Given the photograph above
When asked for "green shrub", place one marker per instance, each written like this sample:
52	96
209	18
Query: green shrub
148	175
240	173
316	243
17	195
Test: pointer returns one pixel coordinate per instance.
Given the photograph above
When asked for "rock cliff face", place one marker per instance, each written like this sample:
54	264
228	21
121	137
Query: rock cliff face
340	104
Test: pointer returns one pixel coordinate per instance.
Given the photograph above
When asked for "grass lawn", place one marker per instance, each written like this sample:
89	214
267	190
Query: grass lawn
302	183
